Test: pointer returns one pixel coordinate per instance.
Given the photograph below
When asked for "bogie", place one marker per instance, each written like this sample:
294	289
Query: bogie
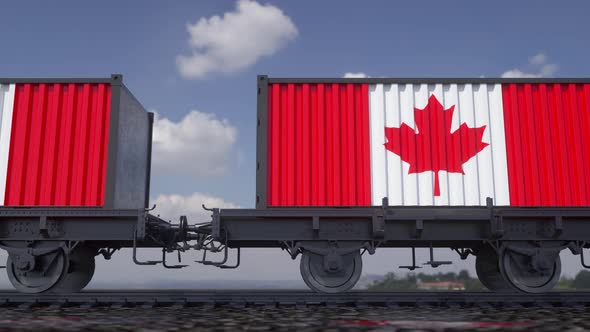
488	270
80	271
331	275
530	269
39	273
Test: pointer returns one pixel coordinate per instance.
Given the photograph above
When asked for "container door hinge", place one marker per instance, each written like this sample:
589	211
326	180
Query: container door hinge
558	227
316	226
215	223
379	224
48	228
43	226
497	226
419	228
141	221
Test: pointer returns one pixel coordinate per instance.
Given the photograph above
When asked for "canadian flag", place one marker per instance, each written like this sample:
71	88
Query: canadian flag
521	144
450	148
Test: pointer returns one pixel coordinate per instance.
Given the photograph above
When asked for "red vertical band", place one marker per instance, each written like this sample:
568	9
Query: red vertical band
58	145
318	149
545	126
305	146
365	147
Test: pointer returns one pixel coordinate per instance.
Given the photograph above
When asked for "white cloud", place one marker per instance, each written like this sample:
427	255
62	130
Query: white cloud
539	59
171	207
235	40
517	73
199	145
549	69
355	75
540	65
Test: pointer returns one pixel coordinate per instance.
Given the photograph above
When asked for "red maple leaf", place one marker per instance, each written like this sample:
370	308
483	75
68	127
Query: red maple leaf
434	148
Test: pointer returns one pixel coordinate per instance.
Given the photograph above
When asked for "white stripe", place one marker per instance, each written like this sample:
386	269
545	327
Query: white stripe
455	183
484	160
498	144
486	173
394	166
6	108
466	111
410	181
377	128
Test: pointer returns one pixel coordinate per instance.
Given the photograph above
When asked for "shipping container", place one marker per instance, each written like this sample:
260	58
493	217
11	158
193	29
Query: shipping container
423	142
74	143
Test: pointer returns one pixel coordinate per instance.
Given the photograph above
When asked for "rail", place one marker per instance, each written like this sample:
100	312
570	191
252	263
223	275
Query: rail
273	298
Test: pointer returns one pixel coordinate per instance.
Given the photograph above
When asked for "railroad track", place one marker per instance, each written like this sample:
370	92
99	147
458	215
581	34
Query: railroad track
242	298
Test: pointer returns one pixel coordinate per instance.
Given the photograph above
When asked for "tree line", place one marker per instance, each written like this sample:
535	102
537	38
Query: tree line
411	281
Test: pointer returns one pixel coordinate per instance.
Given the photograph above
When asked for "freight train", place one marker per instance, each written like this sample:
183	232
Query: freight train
490	167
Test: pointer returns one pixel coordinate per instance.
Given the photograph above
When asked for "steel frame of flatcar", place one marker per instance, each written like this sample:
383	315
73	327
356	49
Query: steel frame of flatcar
401	226
392	226
513	239
51	246
109	226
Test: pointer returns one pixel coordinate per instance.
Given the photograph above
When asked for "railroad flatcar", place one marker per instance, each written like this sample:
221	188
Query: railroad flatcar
490	167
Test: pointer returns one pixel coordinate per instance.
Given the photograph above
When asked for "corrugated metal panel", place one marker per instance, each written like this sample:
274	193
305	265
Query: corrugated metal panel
58	145
547	134
318	145
438	144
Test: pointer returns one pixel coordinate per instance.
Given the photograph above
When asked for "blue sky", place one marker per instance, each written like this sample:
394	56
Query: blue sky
142	40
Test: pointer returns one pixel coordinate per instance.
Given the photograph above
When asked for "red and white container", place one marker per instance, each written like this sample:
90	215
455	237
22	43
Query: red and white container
73	142
423	142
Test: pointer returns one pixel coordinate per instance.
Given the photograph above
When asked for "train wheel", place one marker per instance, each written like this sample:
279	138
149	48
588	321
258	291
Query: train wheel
331	279
528	272
488	270
80	272
30	274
